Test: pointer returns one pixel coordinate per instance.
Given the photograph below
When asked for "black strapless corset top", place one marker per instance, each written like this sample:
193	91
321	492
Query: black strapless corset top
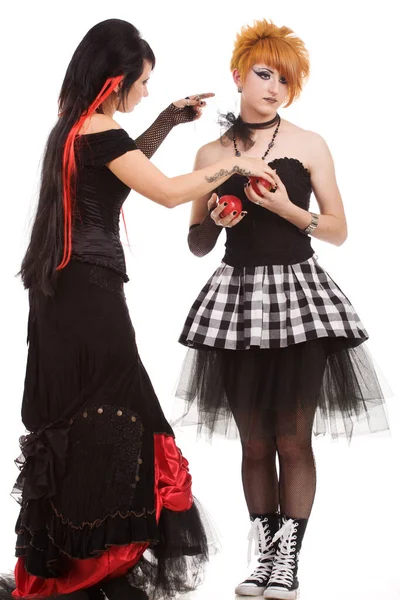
262	237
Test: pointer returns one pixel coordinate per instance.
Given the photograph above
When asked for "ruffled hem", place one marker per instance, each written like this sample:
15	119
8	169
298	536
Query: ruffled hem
175	565
47	552
82	574
58	558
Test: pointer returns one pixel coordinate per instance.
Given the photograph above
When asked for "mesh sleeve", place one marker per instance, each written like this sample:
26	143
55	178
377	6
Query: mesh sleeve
153	137
203	236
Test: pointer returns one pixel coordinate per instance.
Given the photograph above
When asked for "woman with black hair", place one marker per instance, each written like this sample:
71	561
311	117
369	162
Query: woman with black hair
101	480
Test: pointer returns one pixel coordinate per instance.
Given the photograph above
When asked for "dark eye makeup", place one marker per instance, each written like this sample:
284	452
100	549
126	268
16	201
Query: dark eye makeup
265	74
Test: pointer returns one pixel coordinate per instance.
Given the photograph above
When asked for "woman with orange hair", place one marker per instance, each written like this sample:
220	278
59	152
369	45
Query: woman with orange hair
101	480
275	347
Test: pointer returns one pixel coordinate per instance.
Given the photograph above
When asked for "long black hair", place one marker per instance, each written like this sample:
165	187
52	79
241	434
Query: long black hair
111	49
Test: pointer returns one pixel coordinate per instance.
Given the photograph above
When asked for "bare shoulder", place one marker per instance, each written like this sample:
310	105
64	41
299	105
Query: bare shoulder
208	154
317	149
319	157
315	145
310	137
98	123
315	140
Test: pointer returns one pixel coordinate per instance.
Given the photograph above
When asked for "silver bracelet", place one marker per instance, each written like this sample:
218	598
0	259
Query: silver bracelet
312	226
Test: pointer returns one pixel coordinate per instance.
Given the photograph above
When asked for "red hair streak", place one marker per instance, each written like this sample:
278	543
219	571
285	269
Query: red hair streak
69	165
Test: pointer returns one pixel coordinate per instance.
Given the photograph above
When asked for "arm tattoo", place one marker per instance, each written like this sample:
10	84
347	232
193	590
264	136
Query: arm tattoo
224	173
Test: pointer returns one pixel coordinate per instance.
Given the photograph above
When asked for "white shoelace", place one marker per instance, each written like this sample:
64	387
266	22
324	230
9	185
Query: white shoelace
282	572
263	548
261	573
260	537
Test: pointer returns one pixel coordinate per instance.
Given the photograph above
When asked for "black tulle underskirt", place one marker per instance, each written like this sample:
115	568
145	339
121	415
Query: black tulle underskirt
176	564
275	391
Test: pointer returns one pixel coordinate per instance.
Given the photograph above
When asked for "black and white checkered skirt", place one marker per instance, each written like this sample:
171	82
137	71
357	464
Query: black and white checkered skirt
270	307
272	348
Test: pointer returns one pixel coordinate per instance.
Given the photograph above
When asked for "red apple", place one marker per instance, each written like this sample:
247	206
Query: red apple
264	182
233	202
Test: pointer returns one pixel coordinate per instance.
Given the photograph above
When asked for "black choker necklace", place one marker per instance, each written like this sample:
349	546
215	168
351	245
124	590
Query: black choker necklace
270	145
265	125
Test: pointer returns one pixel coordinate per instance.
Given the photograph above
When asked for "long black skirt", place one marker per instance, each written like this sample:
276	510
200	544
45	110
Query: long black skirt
90	466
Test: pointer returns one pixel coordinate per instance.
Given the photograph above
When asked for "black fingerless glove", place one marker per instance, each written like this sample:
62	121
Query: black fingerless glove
203	236
153	137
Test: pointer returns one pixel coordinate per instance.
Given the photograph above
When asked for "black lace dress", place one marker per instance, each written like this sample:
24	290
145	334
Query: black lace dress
102	480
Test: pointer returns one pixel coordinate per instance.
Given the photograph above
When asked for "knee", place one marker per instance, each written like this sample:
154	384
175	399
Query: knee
292	450
258	449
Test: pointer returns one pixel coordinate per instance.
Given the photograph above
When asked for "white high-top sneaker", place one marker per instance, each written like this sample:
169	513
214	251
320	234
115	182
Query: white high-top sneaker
262	531
283	583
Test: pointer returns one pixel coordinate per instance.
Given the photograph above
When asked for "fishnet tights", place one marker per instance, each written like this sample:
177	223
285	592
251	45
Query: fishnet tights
293	491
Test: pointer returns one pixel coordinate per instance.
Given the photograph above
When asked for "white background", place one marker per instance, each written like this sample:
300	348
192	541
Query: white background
351	99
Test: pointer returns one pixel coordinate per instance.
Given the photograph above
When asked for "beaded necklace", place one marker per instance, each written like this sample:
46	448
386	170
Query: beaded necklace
264	126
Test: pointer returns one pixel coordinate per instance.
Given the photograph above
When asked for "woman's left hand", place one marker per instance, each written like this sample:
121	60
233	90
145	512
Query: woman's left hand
194	104
276	201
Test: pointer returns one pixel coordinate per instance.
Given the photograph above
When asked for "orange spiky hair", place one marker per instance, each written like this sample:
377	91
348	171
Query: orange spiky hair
276	47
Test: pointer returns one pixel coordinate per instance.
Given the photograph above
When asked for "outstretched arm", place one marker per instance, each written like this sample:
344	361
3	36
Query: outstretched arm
182	111
135	170
153	137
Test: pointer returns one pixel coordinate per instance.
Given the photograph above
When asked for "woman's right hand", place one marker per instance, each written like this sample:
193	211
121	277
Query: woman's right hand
255	167
216	209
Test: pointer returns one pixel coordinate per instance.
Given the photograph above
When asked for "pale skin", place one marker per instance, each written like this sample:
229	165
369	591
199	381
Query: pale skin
264	91
138	173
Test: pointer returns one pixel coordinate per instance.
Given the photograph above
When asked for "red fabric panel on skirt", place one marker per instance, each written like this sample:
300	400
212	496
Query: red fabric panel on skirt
173	490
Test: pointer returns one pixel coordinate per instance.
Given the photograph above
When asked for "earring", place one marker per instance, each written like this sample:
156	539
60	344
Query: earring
240	90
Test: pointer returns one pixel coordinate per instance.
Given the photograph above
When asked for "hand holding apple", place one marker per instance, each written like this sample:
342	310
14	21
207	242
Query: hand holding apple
233	204
254	181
